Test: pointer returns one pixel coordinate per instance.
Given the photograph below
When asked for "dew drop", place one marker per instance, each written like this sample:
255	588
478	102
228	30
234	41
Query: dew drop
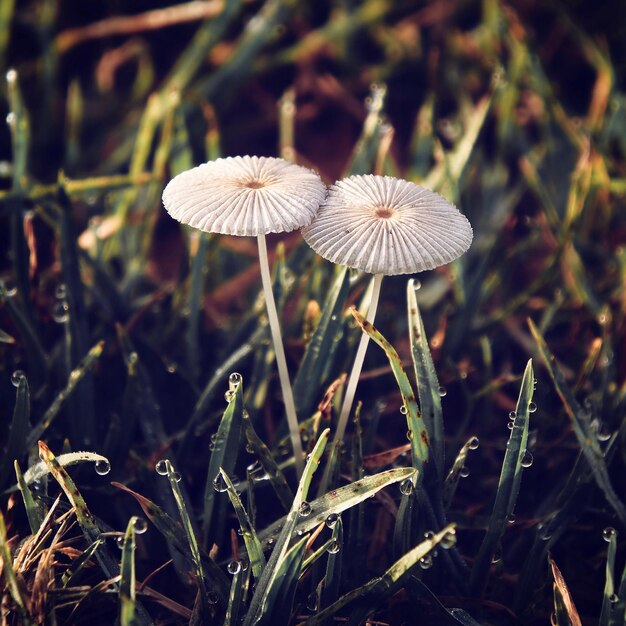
511	518
473	443
212	597
271	541
176	477
442	392
527	459
16	377
161	467
311	602
60	312
211	446
449	539
229	395
510	425
532	407
464	473
403	409
544	532
497	556
332	519
613	598
305	509
249	448
409	435
119	541
426	562
608	533
406	487
102	467
512	415
61	291
429	534
219	484
234	567
233	381
417	285
140	525
333	547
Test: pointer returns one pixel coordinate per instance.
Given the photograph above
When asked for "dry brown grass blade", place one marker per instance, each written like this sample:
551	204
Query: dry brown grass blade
561	587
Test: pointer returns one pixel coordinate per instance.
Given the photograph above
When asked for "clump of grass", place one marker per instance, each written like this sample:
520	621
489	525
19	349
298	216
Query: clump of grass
133	492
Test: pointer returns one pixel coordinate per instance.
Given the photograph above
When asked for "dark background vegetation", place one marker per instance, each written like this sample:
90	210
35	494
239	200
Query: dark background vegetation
544	185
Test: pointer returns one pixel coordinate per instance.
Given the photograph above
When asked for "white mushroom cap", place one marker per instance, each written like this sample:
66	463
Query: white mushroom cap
384	225
245	195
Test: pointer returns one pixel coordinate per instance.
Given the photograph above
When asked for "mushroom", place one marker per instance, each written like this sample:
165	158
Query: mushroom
384	226
251	196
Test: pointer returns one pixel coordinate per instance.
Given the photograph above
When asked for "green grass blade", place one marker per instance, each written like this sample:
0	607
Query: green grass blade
20	424
376	591
452	479
224	455
79	563
278	602
508	485
332	579
267	461
403	533
33	512
581	423
235	600
610	598
41	469
565	613
342	499
267	580
321	348
427	381
203	583
253	545
76	375
420	443
127	591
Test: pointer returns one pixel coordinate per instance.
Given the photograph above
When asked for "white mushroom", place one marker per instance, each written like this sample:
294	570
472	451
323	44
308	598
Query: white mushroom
384	226
251	196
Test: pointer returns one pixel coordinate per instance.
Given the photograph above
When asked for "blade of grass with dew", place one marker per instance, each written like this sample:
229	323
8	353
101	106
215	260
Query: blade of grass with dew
41	469
266	582
76	375
235	600
321	347
332	580
375	592
508	485
79	563
86	520
127	590
420	443
565	612
616	617
452	479
609	599
253	545
33	512
355	545
581	423
16	441
341	499
265	457
224	455
315	556
403	532
201	577
280	594
427	381
8	573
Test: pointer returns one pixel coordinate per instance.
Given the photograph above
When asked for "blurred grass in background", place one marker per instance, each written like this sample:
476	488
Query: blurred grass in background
126	326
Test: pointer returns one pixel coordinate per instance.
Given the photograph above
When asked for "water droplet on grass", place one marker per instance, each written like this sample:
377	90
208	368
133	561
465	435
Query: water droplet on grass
212	597
473	443
442	392
532	407
332	520
140	525
219	484
305	509
61	291
16	377
527	459
403	409
161	467
233	381
426	562
429	534
512	415
406	487
449	539
608	533
464	473
102	467
229	395
333	547
234	567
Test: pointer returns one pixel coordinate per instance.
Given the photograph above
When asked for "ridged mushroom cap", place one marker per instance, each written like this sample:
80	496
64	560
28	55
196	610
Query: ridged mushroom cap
384	225
245	195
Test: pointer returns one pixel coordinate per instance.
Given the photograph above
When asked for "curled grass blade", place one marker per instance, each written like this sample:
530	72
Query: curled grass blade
322	346
341	499
127	591
377	590
508	485
420	443
76	375
33	512
253	545
581	423
427	381
41	469
20	424
267	581
224	455
565	612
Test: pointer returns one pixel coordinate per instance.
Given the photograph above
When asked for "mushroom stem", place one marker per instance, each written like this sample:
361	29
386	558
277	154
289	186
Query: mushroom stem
281	362
358	362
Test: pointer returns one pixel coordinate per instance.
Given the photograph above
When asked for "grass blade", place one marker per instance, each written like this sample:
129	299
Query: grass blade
452	479
235	599
16	442
76	568
427	381
127	592
420	443
610	599
33	512
224	455
253	545
332	579
41	469
565	612
508	485
581	423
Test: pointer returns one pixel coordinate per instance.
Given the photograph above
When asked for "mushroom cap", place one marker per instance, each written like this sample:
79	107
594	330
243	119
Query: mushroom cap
384	225
245	195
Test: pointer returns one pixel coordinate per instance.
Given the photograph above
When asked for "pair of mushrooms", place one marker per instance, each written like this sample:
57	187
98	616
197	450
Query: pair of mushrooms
377	224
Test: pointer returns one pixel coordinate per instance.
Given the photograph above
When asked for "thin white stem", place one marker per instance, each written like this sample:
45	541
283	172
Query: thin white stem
358	362
281	362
